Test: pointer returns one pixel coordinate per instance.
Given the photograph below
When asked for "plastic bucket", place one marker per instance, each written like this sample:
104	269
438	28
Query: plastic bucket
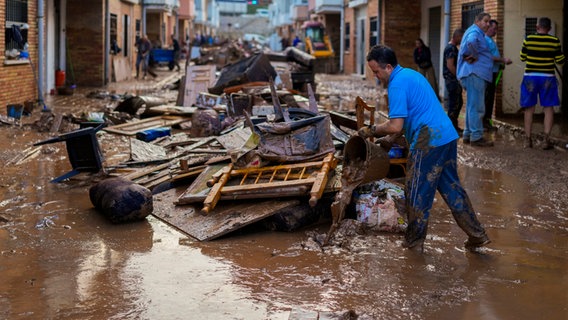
59	78
374	159
14	110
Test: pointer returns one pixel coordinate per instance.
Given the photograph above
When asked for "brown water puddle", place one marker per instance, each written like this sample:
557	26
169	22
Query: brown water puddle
61	259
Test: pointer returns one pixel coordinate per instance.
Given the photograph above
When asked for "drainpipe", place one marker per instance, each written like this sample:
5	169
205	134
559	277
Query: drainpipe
143	19
342	38
107	44
176	33
40	16
447	22
380	21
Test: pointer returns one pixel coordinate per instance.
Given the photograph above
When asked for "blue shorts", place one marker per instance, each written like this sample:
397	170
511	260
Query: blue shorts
546	88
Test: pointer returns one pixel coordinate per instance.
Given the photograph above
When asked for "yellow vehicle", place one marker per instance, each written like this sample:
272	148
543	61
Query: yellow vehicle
316	40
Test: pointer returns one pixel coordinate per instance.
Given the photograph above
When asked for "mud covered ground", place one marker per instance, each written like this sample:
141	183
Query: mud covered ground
59	258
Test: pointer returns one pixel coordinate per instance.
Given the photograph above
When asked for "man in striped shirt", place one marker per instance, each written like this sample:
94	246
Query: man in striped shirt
540	51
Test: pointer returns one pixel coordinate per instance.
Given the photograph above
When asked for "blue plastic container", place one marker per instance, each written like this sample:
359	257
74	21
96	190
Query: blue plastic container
396	152
153	134
15	111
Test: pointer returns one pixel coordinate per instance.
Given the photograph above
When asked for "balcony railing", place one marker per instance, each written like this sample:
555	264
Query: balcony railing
165	3
323	6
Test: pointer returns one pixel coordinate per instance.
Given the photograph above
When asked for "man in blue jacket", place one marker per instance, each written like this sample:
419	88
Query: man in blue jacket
475	64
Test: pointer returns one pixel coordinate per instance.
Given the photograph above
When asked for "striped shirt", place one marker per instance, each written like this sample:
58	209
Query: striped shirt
540	52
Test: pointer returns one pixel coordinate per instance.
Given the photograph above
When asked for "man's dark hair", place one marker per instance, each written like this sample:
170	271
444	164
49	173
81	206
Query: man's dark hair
383	55
458	32
545	23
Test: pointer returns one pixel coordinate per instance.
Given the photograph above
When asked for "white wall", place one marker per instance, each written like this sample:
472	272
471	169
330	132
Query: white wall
424	24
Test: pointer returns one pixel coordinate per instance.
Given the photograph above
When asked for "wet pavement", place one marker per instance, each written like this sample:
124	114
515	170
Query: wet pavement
61	259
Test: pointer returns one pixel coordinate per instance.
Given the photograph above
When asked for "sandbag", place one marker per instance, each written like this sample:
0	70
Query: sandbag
121	200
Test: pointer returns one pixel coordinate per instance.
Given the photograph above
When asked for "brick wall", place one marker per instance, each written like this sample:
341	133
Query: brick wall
134	12
400	26
349	56
85	39
17	81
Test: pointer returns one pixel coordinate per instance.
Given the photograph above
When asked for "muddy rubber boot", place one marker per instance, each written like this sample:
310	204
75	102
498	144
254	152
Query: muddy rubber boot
472	243
546	145
527	143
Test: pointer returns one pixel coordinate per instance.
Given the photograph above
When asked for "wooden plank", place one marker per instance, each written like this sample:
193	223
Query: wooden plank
343	120
198	190
198	79
121	68
226	217
131	128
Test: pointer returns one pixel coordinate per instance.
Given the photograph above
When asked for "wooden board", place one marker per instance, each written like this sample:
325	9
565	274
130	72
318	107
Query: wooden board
225	218
131	128
198	79
121	68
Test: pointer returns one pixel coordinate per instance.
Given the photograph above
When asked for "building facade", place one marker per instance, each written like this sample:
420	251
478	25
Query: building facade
17	77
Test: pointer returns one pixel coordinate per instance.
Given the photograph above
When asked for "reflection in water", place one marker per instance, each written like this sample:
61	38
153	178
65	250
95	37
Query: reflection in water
177	282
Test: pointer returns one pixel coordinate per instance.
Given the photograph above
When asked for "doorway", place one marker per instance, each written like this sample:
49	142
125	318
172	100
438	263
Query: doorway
434	41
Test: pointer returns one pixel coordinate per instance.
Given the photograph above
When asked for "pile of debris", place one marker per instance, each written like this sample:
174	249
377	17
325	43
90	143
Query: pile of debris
254	132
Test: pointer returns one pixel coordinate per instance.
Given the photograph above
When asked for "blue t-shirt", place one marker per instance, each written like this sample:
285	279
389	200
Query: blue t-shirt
494	52
411	97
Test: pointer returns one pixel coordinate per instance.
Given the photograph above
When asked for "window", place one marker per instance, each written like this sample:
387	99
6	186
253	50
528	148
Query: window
469	11
530	25
374	34
16	14
347	43
113	31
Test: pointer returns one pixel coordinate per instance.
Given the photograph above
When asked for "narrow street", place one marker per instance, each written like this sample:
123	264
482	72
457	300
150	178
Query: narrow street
61	259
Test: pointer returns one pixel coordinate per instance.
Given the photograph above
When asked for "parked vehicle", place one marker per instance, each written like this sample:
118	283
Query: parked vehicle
316	40
163	57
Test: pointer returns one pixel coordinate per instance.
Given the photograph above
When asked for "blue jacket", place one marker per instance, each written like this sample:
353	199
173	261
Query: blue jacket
474	44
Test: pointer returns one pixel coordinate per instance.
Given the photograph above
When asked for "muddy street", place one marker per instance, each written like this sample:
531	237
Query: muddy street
61	259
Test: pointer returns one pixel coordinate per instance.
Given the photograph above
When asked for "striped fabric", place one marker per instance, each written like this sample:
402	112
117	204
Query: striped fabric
540	52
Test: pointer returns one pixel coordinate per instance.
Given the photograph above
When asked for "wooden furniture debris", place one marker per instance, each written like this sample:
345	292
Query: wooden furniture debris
187	163
198	79
121	69
131	128
360	108
225	218
297	179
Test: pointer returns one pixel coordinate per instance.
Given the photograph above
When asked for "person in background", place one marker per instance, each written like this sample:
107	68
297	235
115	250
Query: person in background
423	58
143	47
540	51
475	64
284	42
297	41
498	64
454	103
114	48
177	52
414	110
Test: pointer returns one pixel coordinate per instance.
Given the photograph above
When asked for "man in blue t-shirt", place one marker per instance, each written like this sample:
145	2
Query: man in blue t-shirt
415	110
498	66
